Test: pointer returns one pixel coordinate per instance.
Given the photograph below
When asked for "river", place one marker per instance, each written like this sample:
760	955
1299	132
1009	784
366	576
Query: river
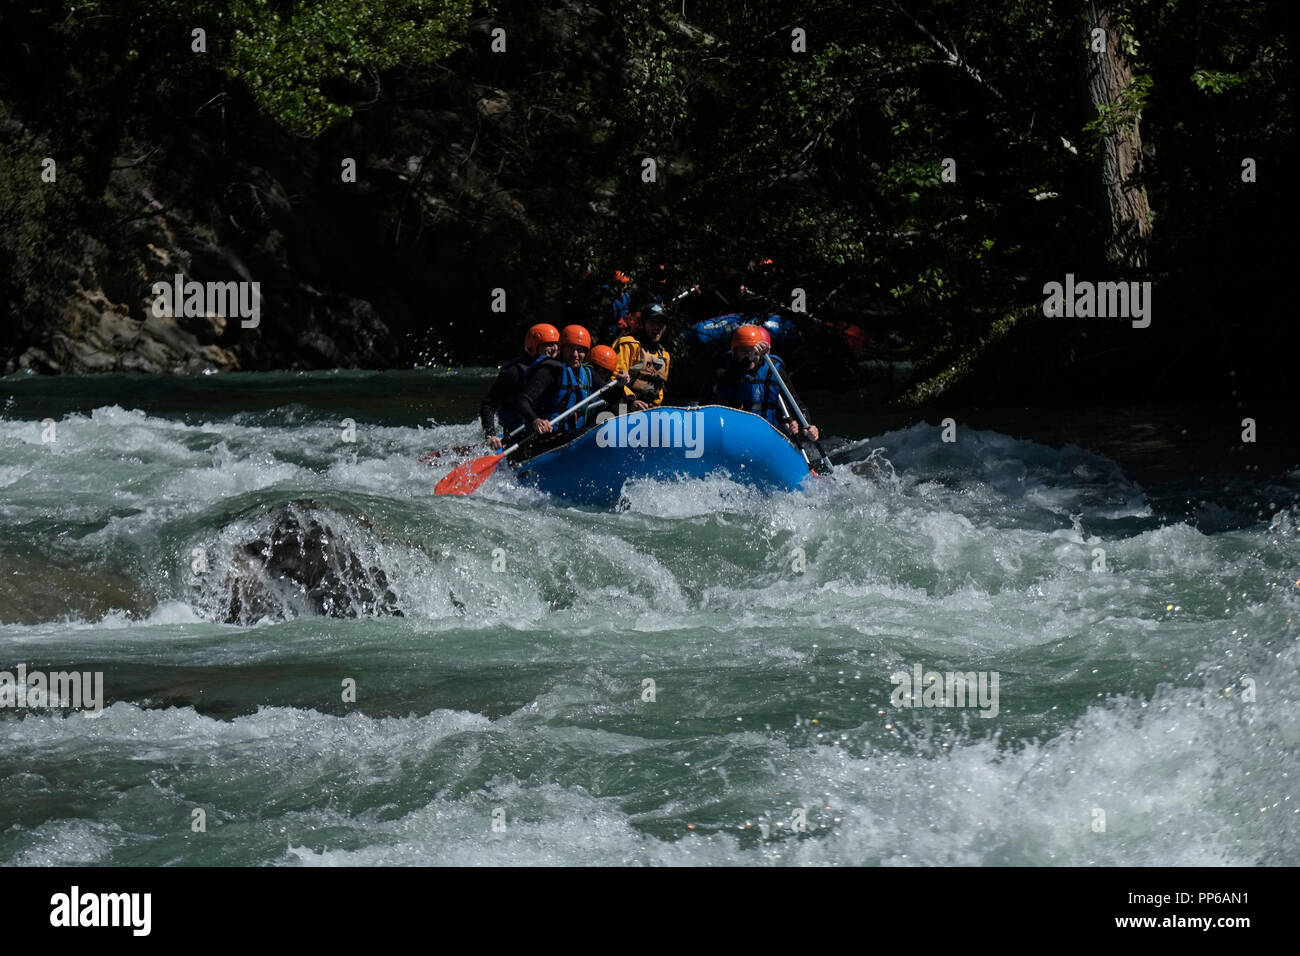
701	676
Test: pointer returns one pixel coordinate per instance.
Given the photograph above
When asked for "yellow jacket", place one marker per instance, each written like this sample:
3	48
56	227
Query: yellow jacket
649	368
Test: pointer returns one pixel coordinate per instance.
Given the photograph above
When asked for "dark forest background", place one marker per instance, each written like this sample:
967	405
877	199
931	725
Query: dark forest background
1118	158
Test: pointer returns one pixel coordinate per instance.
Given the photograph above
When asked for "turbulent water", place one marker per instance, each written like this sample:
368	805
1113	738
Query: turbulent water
702	676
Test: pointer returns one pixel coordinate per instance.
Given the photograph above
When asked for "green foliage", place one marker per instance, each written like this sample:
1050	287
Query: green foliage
34	215
289	53
1125	110
828	160
957	363
286	60
1216	81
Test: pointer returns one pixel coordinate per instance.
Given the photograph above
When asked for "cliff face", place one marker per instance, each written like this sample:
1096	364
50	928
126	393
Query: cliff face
213	218
224	197
101	317
164	172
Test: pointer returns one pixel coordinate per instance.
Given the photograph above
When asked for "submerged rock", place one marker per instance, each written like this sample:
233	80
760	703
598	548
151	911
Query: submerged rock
303	566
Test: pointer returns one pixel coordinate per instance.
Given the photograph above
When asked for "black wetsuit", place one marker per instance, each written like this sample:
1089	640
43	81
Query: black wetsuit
528	402
540	391
509	382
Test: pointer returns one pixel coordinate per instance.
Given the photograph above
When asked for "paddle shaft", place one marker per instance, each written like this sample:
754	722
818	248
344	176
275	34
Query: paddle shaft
428	457
464	479
558	418
524	427
795	409
786	412
849	449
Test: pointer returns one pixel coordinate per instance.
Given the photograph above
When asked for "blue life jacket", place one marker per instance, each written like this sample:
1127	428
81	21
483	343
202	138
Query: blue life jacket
509	418
619	307
574	385
756	392
618	300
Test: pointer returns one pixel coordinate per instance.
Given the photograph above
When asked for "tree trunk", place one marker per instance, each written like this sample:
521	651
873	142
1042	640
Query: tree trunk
1109	78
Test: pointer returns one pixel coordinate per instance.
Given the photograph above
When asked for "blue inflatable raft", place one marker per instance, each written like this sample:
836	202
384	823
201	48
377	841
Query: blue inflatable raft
714	334
667	444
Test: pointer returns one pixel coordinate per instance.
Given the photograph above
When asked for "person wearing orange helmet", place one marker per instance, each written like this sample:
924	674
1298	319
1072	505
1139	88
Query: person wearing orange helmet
614	300
604	366
541	341
559	384
743	379
645	358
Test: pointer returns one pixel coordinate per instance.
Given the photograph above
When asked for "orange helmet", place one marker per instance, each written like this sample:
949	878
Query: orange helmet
575	335
767	336
605	357
748	336
540	335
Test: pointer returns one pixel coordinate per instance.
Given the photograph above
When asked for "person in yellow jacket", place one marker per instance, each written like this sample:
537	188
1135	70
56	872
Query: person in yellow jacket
645	359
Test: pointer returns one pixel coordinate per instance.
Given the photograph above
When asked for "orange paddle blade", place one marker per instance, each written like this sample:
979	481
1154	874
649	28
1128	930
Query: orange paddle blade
465	479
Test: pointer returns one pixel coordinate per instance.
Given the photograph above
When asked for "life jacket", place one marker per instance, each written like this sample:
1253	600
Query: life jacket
615	300
507	415
756	391
573	386
649	370
620	303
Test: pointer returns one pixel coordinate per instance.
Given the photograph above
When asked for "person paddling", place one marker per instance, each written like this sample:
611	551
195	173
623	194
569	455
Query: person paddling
604	366
541	341
646	359
742	379
559	384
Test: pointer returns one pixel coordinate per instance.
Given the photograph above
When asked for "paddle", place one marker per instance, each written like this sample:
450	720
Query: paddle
825	463
785	414
849	449
466	479
428	457
461	450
